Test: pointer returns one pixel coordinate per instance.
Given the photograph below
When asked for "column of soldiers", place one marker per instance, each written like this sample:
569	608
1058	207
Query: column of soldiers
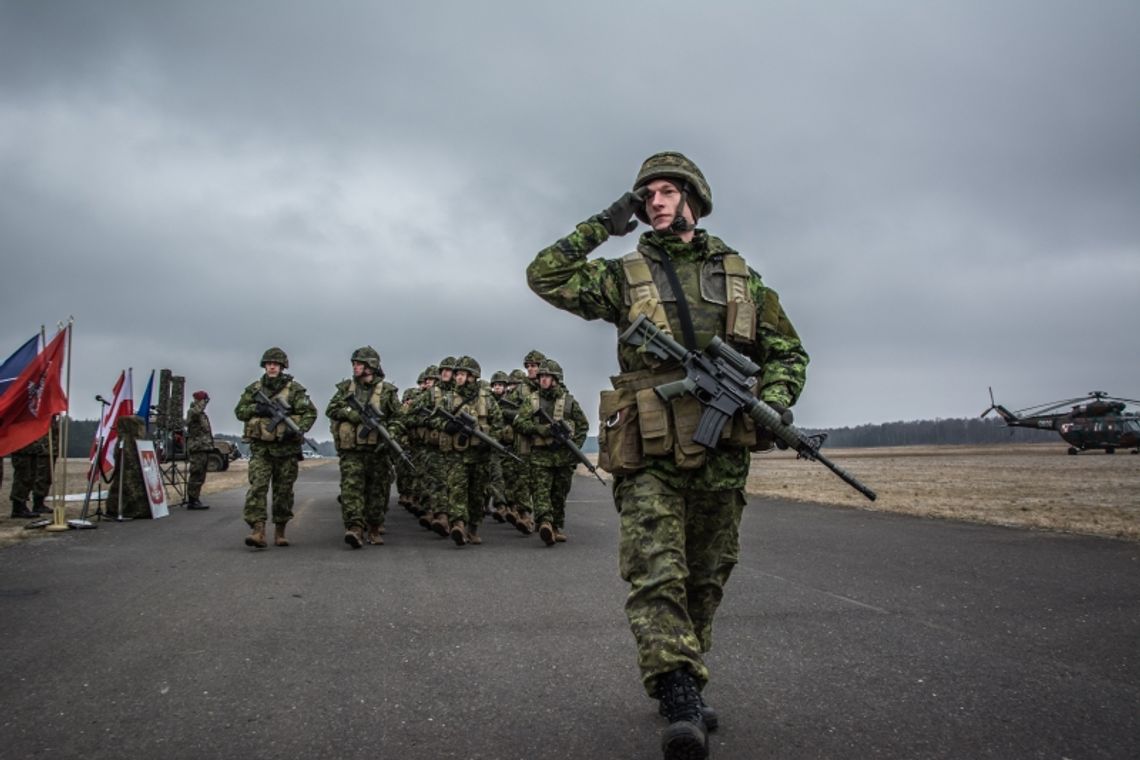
458	447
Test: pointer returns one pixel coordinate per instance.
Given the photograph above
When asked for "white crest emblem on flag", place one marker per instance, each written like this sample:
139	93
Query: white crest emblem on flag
35	394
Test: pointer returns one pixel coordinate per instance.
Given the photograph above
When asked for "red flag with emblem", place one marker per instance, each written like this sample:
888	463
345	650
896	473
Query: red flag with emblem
33	398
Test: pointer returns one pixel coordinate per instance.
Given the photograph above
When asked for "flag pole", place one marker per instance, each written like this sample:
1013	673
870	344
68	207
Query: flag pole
59	505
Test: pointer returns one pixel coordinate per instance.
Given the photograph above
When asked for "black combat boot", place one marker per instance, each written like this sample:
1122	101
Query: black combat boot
39	507
20	510
686	737
196	503
707	712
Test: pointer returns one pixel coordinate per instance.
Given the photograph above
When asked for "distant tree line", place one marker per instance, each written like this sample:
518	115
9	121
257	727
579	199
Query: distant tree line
938	432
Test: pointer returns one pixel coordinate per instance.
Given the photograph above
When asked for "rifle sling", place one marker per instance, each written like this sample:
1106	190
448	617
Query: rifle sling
686	319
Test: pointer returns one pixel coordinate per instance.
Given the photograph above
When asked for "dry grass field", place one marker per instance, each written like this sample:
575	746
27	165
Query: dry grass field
1031	486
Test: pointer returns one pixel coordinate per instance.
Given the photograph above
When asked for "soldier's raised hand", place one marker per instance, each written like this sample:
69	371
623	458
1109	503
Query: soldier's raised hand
618	218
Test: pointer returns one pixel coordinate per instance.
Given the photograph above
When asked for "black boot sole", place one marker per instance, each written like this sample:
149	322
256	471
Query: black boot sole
684	741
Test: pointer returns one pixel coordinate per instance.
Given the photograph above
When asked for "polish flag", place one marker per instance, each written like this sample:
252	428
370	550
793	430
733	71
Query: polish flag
122	403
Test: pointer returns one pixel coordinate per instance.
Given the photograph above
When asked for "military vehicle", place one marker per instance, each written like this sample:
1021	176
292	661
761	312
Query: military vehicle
1095	421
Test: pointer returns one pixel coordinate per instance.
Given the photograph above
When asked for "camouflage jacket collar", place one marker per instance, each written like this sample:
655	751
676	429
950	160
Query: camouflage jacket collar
275	384
703	246
551	394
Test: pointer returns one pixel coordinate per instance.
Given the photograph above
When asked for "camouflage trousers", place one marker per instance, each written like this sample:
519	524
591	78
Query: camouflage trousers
365	485
433	479
497	483
281	472
467	477
405	475
31	474
517	486
677	549
549	485
197	477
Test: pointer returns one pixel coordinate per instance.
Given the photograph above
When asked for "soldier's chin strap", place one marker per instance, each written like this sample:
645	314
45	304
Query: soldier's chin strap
680	223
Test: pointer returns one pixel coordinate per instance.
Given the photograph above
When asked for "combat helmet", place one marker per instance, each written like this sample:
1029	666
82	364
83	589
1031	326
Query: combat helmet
368	356
518	376
550	367
469	364
432	372
275	354
498	376
447	362
533	356
675	166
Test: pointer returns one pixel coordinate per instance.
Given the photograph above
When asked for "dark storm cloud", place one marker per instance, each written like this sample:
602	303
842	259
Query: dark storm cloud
943	193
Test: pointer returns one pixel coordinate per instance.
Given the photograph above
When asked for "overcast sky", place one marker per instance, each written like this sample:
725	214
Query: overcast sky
946	195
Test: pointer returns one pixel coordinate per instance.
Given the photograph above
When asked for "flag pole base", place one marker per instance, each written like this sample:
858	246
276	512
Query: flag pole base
59	520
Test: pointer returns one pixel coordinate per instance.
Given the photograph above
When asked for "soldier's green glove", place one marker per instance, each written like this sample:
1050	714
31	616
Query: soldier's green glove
618	218
352	416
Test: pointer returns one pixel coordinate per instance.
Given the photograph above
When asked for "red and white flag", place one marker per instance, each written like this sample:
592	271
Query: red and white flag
33	398
106	436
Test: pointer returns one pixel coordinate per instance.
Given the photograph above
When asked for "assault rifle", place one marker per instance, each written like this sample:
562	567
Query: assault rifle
470	427
372	420
561	433
722	379
279	414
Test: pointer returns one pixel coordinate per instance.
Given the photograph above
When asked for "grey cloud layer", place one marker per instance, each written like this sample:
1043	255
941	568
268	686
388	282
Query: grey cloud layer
943	193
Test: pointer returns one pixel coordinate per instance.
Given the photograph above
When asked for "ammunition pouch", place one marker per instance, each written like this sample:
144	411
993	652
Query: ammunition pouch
348	436
637	423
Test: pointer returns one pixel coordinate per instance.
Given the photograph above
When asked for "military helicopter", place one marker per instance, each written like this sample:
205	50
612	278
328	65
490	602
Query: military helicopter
1095	421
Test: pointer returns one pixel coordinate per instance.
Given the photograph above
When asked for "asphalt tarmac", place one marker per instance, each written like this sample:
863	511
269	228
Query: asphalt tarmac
844	634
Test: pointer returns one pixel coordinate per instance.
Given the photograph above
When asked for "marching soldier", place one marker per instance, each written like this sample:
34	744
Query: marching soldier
552	465
680	502
365	461
277	412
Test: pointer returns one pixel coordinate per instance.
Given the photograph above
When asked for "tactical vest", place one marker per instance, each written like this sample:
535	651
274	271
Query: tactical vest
636	422
257	428
351	436
478	408
644	295
561	404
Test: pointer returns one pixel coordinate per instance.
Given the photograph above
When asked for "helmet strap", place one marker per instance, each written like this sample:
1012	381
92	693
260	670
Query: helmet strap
680	223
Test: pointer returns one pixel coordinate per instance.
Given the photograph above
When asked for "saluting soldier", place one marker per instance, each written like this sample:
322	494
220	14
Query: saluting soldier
680	503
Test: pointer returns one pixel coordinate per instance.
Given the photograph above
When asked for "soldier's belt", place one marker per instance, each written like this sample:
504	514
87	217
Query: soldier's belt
645	378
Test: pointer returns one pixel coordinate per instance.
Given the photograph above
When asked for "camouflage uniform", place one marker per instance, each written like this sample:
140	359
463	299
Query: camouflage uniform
680	503
433	472
466	459
514	473
416	433
521	514
405	475
32	473
199	444
497	488
365	461
273	454
552	465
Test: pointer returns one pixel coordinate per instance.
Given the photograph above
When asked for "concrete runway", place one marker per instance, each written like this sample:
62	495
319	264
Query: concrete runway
844	634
